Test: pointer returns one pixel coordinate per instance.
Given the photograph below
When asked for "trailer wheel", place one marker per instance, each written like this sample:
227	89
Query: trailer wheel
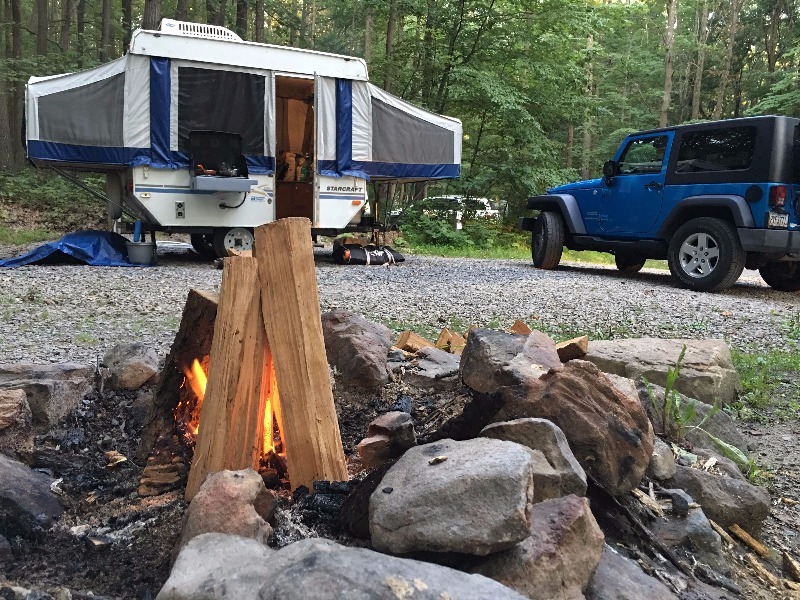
236	238
203	244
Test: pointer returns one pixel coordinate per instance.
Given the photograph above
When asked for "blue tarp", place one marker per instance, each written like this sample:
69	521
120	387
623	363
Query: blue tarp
95	248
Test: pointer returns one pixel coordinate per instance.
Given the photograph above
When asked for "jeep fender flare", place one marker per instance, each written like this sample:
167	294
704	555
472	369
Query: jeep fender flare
564	204
692	206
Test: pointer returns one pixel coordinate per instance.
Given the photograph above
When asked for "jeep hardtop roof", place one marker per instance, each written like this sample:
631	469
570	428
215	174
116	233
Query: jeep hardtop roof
723	122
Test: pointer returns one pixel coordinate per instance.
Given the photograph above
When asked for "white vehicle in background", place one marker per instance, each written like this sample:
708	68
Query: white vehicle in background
454	208
200	132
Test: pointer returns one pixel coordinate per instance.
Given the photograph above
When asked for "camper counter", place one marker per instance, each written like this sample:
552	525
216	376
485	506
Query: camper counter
200	132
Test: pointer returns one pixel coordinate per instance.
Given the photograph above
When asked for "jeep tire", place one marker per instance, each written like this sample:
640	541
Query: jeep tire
705	255
547	240
783	276
629	263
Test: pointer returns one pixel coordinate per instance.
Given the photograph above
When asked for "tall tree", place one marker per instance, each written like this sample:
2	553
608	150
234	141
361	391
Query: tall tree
702	40
241	18
259	24
586	155
152	14
105	31
67	7
127	22
669	43
388	69
736	5
42	26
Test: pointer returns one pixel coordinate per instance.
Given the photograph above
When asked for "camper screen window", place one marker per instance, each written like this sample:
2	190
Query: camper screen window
213	100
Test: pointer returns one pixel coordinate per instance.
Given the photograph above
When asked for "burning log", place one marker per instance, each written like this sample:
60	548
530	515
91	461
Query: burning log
231	430
290	302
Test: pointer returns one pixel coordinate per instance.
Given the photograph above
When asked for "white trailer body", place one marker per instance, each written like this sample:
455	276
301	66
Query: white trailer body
189	92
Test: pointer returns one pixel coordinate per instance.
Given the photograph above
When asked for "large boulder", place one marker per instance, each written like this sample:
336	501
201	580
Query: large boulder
433	369
558	559
692	535
357	348
472	497
130	366
52	390
16	421
609	432
27	506
214	566
492	359
232	502
725	500
707	372
546	437
620	578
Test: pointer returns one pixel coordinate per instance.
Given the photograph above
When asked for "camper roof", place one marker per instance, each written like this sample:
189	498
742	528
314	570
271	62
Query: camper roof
214	44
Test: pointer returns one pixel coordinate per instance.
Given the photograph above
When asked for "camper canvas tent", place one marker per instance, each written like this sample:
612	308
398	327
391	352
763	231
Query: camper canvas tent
134	119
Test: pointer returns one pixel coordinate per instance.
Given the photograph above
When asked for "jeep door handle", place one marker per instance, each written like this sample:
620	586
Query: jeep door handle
653	185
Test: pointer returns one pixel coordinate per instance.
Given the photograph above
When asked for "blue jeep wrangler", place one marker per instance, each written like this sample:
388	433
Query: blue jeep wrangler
710	198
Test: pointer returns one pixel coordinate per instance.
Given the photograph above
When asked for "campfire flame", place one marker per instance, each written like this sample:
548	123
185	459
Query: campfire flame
197	379
187	413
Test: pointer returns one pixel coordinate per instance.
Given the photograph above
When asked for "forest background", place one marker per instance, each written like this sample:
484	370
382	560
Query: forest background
546	89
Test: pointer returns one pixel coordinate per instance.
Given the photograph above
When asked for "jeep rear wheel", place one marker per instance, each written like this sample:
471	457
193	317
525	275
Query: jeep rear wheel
547	241
705	255
782	276
629	263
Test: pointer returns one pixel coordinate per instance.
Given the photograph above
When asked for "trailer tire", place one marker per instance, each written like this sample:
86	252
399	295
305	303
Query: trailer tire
235	238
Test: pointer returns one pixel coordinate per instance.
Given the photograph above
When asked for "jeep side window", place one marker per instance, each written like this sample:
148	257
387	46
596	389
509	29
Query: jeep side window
644	155
729	149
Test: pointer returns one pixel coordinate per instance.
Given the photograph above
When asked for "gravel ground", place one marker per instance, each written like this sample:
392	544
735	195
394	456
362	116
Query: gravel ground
74	313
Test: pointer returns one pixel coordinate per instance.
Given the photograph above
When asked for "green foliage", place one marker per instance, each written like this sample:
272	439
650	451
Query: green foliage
670	411
20	237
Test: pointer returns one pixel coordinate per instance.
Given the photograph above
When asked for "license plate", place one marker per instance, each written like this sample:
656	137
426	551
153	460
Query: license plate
778	220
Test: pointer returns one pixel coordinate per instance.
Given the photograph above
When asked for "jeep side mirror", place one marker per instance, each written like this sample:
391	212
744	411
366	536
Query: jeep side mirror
609	170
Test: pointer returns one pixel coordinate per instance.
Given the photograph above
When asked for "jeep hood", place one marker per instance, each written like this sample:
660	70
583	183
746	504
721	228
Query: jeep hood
588	184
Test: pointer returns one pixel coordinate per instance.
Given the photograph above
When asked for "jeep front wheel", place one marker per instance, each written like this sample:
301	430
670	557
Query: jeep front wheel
782	276
547	241
629	263
705	255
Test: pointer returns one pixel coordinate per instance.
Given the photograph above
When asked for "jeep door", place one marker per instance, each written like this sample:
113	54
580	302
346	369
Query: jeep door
632	203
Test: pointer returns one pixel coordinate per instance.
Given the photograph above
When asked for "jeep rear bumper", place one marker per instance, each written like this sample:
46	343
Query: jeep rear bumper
770	241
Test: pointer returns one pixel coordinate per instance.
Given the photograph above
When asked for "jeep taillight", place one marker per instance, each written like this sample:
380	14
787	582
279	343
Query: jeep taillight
777	196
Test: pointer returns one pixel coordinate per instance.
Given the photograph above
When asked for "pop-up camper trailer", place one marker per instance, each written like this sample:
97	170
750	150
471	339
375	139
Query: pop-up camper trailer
198	131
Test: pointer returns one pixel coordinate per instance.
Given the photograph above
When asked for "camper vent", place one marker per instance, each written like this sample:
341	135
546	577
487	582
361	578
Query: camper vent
198	30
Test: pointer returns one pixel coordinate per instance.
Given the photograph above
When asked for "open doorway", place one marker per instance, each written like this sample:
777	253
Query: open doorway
294	171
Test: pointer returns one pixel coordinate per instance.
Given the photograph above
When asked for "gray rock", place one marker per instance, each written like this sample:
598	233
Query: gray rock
434	369
52	390
16	421
130	366
693	535
718	424
6	554
27	506
389	436
707	373
662	464
680	502
724	499
216	566
558	559
229	502
723	465
492	359
547	437
472	497
357	348
620	578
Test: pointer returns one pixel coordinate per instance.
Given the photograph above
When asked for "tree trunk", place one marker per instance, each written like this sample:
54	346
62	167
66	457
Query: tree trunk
586	154
259	24
7	136
241	18
369	18
313	34
303	23
42	26
127	23
726	69
221	15
427	53
105	32
669	42
67	7
455	31
152	14
182	10
701	59
771	34
80	23
390	24
292	28
570	145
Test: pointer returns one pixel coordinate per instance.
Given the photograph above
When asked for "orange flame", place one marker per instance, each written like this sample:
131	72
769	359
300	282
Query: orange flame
197	379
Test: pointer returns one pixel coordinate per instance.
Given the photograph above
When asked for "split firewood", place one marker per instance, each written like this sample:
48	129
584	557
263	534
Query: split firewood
790	566
457	344
789	502
412	342
648	502
761	571
750	541
574	348
443	341
235	252
520	328
722	533
114	459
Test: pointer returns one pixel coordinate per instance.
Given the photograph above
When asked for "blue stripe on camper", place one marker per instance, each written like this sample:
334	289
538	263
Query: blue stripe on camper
261	165
377	170
344	125
159	113
73	153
